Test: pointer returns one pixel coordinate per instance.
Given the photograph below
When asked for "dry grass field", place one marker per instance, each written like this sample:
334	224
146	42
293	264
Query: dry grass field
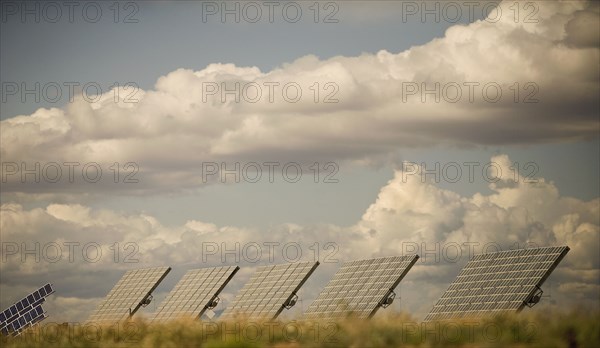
577	328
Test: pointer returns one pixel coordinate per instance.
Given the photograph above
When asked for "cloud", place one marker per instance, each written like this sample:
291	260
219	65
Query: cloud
578	28
446	228
375	106
409	216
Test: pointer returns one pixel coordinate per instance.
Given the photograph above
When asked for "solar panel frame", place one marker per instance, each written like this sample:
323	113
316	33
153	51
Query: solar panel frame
126	297
18	316
499	291
167	308
345	294
282	282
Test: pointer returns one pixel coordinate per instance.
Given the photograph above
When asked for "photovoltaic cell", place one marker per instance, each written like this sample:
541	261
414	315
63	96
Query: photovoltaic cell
497	282
25	313
195	293
269	291
132	291
360	288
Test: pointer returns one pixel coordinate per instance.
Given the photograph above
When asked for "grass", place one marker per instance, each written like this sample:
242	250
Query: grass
577	328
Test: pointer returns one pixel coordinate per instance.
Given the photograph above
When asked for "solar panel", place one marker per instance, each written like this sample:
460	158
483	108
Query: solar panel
361	287
270	290
498	282
133	291
25	313
197	292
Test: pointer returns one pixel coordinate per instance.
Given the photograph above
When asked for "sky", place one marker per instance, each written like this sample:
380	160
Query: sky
146	134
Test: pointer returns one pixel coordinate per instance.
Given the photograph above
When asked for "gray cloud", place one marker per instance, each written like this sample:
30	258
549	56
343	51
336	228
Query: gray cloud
579	29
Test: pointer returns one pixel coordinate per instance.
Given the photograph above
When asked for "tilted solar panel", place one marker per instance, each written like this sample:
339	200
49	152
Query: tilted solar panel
270	290
133	291
361	287
499	281
25	313
195	293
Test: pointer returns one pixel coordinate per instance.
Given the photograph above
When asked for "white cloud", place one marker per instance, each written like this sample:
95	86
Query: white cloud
408	214
171	130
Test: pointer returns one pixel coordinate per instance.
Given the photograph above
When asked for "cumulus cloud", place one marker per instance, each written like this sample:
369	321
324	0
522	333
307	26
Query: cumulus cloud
446	228
367	106
409	216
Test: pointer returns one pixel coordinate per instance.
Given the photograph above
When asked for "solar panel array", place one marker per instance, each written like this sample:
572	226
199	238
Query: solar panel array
499	281
25	313
270	290
195	293
491	282
360	287
130	293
